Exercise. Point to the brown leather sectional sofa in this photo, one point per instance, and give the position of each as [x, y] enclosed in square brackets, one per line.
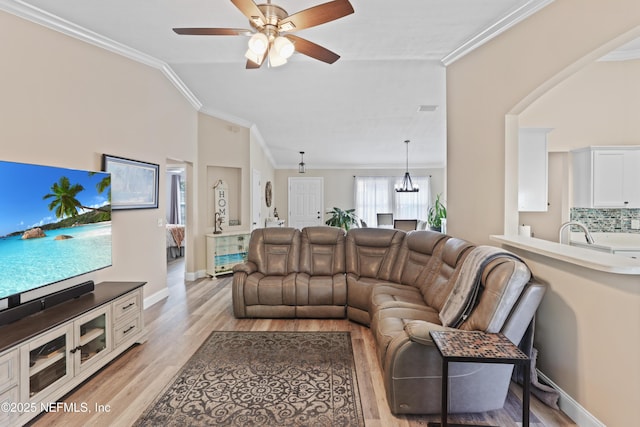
[401, 285]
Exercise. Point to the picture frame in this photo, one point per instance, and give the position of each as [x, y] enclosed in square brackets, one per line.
[134, 183]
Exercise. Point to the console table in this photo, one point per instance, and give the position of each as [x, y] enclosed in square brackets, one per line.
[226, 250]
[478, 347]
[46, 355]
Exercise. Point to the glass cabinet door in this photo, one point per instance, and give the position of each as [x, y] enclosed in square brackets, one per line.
[47, 361]
[93, 339]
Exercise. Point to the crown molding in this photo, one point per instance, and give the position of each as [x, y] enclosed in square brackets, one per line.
[509, 20]
[255, 133]
[622, 55]
[46, 19]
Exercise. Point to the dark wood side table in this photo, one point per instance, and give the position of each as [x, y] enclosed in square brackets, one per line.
[478, 347]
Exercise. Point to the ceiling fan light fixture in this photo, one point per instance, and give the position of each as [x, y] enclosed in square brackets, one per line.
[276, 60]
[283, 47]
[254, 57]
[258, 43]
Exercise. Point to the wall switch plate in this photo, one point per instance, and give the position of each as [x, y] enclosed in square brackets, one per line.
[160, 222]
[635, 224]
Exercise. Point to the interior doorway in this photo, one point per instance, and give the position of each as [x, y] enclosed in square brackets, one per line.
[176, 218]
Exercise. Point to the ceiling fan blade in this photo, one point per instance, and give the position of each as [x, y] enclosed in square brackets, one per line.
[316, 15]
[213, 31]
[313, 50]
[253, 65]
[251, 11]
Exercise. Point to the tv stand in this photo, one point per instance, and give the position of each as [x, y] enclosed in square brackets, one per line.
[31, 307]
[45, 355]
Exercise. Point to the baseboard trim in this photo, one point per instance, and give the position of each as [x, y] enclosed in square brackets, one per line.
[155, 298]
[194, 275]
[573, 409]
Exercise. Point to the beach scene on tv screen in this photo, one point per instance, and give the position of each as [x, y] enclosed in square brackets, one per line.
[55, 223]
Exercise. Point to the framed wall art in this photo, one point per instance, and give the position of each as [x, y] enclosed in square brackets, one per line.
[134, 184]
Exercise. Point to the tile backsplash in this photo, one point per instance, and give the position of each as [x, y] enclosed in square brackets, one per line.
[606, 220]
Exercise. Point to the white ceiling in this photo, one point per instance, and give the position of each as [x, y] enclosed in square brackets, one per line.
[354, 113]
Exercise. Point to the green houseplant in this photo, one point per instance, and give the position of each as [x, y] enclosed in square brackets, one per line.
[436, 214]
[343, 218]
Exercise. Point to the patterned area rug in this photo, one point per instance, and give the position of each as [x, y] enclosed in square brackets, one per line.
[263, 379]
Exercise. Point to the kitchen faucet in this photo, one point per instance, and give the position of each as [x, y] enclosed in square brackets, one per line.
[587, 235]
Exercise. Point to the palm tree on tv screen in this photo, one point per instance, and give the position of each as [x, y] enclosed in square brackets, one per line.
[64, 200]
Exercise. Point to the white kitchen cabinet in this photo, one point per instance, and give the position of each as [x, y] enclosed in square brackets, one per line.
[606, 177]
[533, 160]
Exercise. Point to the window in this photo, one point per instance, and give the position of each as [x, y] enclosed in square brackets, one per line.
[376, 194]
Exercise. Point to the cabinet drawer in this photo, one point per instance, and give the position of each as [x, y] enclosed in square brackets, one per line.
[9, 396]
[126, 329]
[8, 370]
[126, 305]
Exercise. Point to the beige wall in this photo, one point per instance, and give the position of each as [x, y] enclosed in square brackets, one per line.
[223, 153]
[597, 105]
[591, 356]
[338, 184]
[65, 103]
[261, 162]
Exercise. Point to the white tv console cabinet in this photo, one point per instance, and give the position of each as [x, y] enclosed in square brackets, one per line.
[46, 355]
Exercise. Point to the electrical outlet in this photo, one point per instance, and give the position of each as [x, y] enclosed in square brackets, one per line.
[160, 222]
[635, 224]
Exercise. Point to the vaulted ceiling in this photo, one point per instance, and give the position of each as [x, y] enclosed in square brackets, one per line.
[355, 113]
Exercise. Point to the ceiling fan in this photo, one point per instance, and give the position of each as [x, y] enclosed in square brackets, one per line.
[270, 22]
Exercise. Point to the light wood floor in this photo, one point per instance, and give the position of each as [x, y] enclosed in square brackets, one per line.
[178, 325]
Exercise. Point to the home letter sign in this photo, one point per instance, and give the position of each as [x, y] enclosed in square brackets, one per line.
[220, 202]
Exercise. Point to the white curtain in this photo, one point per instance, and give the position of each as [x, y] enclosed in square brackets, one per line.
[376, 194]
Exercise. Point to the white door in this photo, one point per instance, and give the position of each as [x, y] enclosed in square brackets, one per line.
[306, 201]
[256, 200]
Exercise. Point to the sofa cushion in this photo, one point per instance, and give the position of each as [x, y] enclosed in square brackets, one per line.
[321, 290]
[275, 251]
[414, 265]
[387, 294]
[372, 252]
[389, 322]
[467, 285]
[322, 251]
[445, 272]
[502, 283]
[269, 290]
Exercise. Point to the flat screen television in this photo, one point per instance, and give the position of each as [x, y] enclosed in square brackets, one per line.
[55, 225]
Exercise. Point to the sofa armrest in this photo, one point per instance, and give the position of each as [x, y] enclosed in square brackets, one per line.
[418, 331]
[248, 267]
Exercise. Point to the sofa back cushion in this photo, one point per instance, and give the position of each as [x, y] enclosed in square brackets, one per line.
[275, 251]
[415, 262]
[372, 252]
[503, 280]
[322, 251]
[446, 270]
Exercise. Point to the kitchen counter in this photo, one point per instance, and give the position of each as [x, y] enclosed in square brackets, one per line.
[626, 244]
[587, 256]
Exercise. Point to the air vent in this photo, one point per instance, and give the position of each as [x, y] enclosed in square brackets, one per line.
[425, 108]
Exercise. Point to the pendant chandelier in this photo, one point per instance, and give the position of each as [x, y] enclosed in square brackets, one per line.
[301, 165]
[407, 184]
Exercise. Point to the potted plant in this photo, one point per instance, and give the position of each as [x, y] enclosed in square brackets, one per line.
[343, 218]
[436, 214]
